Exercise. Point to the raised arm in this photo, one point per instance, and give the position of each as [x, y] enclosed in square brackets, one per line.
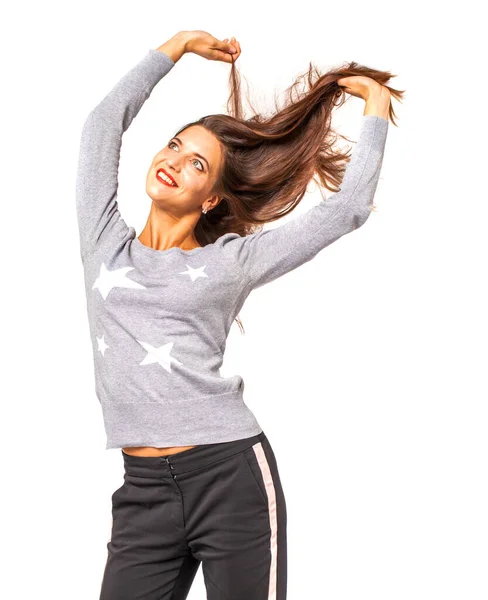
[101, 139]
[266, 255]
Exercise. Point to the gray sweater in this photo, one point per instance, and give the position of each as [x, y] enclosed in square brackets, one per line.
[159, 320]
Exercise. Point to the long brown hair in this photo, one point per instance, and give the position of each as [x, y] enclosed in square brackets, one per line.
[268, 161]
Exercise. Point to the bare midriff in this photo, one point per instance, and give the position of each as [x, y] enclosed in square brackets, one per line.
[152, 451]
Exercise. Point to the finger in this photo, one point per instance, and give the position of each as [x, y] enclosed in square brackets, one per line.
[228, 46]
[235, 55]
[216, 54]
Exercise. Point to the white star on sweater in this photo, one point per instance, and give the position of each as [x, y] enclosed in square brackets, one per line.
[110, 279]
[159, 355]
[102, 346]
[194, 273]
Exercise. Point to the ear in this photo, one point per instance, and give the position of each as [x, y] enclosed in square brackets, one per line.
[214, 200]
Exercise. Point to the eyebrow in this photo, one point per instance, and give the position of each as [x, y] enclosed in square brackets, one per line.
[195, 153]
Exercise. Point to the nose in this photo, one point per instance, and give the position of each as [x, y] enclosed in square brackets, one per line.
[170, 165]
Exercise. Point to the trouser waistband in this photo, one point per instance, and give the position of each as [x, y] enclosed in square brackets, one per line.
[186, 460]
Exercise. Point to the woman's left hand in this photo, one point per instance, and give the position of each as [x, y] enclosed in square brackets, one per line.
[359, 86]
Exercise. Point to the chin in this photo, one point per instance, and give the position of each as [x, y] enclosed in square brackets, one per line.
[155, 192]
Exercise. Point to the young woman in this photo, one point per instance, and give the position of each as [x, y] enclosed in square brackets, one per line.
[201, 483]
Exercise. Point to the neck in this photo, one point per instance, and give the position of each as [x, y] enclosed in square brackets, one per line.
[162, 232]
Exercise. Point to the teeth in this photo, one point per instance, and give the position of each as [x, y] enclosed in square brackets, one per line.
[165, 177]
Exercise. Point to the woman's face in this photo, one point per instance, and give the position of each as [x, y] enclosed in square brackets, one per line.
[192, 160]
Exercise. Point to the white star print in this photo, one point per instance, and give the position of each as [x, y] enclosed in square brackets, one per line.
[102, 346]
[194, 273]
[160, 355]
[110, 279]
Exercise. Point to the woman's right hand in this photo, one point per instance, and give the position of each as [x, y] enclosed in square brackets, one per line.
[206, 45]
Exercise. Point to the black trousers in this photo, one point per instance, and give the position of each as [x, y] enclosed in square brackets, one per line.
[221, 505]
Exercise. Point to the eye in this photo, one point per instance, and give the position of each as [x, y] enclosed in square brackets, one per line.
[194, 160]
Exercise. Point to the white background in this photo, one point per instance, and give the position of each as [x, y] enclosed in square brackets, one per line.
[366, 367]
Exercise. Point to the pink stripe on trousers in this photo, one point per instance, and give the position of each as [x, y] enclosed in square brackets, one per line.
[270, 489]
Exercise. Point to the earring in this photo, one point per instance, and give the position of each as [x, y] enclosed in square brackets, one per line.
[204, 210]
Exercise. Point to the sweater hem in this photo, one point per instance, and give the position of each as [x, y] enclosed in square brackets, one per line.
[205, 420]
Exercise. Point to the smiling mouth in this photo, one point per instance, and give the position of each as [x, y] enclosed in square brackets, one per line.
[163, 178]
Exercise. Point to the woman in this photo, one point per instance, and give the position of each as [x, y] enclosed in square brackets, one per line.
[201, 483]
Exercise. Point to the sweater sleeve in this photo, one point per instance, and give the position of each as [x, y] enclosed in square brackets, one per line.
[99, 155]
[268, 254]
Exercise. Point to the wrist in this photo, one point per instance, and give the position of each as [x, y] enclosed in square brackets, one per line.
[378, 101]
[176, 46]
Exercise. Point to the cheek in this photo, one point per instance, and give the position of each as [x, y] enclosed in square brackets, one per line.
[194, 181]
